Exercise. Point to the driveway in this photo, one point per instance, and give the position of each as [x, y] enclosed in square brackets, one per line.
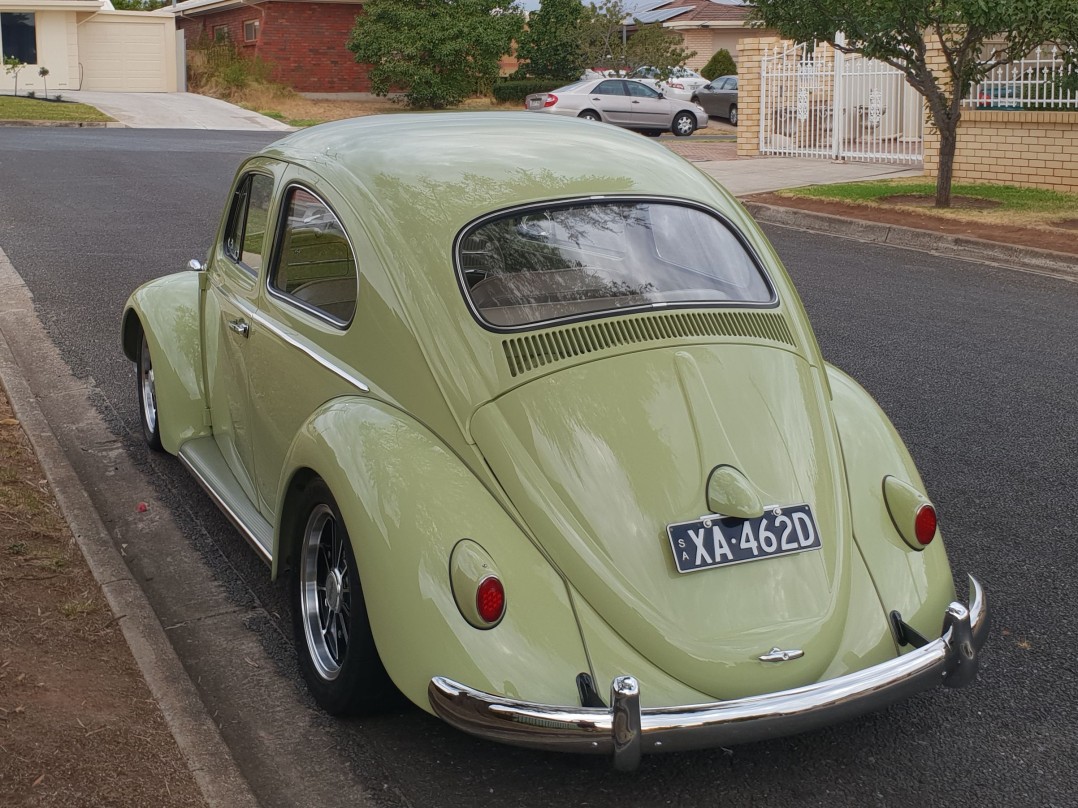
[176, 111]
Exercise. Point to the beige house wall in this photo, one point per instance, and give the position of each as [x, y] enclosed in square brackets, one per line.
[55, 32]
[58, 46]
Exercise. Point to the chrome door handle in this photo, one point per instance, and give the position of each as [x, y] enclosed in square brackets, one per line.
[240, 327]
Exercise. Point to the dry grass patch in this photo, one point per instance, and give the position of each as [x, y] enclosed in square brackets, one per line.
[78, 726]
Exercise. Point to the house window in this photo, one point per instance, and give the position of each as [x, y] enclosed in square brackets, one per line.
[220, 33]
[18, 37]
[250, 31]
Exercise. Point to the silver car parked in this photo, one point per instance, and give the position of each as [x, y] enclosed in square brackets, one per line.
[719, 98]
[622, 102]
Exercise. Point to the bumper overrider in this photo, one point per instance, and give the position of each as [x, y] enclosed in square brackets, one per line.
[626, 731]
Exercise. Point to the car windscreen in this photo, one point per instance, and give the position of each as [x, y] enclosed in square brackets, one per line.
[593, 257]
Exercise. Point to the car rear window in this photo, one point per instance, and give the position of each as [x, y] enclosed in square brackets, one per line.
[554, 263]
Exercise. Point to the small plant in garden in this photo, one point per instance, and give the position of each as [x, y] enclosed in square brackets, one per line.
[43, 72]
[12, 66]
[31, 94]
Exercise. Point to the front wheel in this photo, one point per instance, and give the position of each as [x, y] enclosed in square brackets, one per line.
[147, 396]
[332, 632]
[733, 115]
[590, 115]
[684, 124]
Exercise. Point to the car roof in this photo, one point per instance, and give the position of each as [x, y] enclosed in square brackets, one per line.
[465, 164]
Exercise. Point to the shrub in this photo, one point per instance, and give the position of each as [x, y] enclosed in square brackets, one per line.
[215, 67]
[509, 91]
[721, 64]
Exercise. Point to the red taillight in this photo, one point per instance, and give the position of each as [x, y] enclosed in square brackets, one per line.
[490, 599]
[551, 100]
[924, 524]
[676, 86]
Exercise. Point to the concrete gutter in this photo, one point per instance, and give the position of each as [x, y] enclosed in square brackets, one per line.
[1027, 259]
[199, 741]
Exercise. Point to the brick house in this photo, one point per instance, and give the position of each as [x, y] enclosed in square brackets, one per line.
[303, 41]
[706, 26]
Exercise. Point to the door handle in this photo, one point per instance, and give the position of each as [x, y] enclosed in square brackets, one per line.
[240, 327]
[636, 102]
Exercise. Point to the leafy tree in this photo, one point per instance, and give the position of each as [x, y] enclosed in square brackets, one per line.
[606, 41]
[12, 66]
[975, 36]
[43, 72]
[139, 5]
[721, 64]
[437, 52]
[551, 43]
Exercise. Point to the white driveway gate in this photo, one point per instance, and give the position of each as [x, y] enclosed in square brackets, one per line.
[818, 102]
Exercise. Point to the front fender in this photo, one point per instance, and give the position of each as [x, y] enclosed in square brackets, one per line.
[167, 311]
[916, 583]
[407, 500]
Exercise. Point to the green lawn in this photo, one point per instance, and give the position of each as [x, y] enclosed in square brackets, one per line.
[14, 108]
[1009, 197]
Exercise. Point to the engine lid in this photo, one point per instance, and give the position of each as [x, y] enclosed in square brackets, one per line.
[600, 458]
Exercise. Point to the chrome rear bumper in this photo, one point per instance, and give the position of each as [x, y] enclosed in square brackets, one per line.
[626, 731]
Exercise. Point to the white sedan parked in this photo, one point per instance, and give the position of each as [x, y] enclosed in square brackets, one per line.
[681, 83]
[622, 102]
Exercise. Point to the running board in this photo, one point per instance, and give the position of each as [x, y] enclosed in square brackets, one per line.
[206, 463]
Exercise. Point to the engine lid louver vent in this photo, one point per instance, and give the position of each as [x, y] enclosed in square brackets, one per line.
[533, 351]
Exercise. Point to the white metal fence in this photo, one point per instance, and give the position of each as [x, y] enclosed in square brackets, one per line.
[1043, 80]
[818, 102]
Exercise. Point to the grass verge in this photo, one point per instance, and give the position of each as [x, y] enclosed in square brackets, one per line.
[13, 108]
[1003, 204]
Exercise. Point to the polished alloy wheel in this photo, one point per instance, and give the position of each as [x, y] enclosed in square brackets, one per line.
[149, 392]
[325, 593]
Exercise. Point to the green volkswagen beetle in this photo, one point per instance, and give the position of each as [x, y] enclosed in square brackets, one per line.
[531, 418]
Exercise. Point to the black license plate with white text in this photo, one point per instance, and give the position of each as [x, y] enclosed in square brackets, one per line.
[719, 541]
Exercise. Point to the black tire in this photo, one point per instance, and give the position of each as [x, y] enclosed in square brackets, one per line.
[652, 132]
[733, 115]
[149, 415]
[590, 115]
[331, 629]
[684, 124]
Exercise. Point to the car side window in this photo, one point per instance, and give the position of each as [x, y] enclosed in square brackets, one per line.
[641, 90]
[316, 266]
[731, 83]
[246, 231]
[610, 88]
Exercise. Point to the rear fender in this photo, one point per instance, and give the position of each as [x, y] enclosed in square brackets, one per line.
[407, 500]
[166, 309]
[916, 583]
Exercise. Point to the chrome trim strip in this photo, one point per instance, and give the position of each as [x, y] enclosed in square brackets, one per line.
[299, 346]
[625, 731]
[263, 553]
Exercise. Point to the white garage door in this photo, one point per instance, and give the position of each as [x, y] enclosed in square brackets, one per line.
[120, 56]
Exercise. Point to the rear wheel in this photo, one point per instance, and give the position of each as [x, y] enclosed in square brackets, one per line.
[684, 124]
[147, 396]
[733, 115]
[590, 115]
[332, 632]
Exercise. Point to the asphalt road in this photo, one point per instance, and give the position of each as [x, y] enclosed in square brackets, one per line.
[975, 364]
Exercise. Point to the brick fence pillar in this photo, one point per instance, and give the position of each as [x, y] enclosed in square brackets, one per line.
[750, 53]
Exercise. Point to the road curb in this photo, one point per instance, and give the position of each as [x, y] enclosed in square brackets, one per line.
[208, 758]
[1026, 259]
[69, 124]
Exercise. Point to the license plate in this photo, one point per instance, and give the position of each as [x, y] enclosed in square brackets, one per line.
[719, 541]
[535, 103]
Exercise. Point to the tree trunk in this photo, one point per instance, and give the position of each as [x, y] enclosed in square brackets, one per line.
[948, 142]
